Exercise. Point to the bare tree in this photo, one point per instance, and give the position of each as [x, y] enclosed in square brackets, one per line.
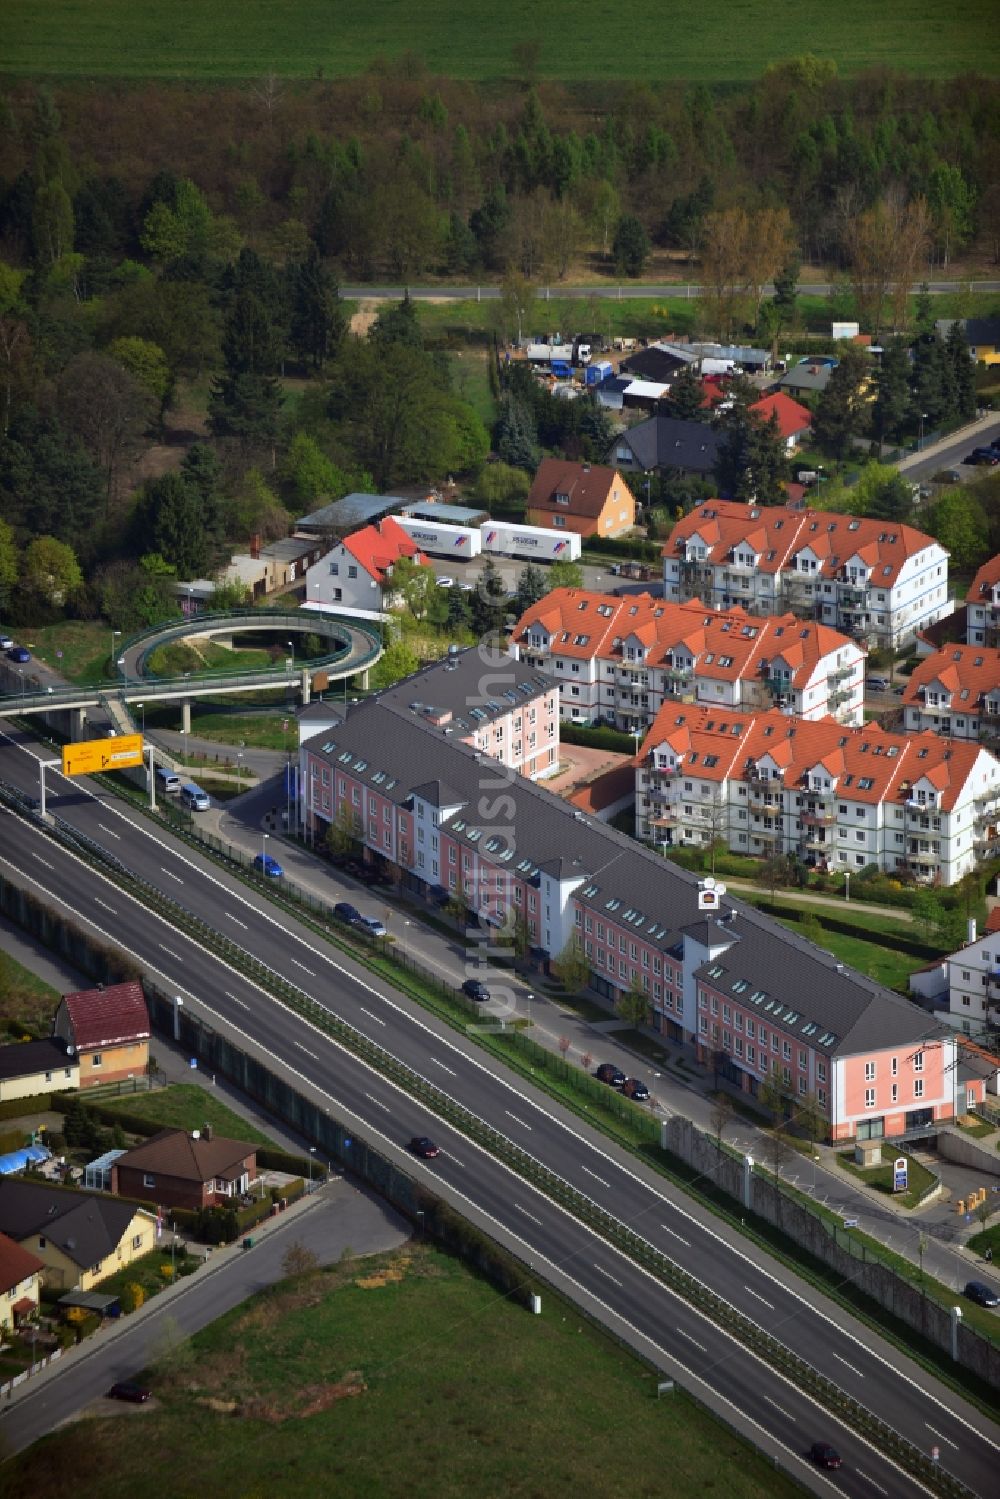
[298, 1260]
[721, 1117]
[886, 246]
[724, 240]
[268, 94]
[565, 1046]
[768, 244]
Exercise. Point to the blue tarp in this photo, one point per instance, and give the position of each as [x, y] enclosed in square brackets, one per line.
[18, 1159]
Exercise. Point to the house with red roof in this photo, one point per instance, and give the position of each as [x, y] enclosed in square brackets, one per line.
[877, 581]
[356, 574]
[794, 421]
[107, 1028]
[19, 1284]
[620, 660]
[955, 691]
[588, 498]
[982, 605]
[837, 797]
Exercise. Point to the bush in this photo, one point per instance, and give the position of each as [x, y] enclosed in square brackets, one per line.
[597, 738]
[131, 1296]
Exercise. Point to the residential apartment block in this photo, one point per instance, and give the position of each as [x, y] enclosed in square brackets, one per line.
[875, 580]
[751, 996]
[964, 989]
[621, 659]
[982, 605]
[836, 797]
[956, 691]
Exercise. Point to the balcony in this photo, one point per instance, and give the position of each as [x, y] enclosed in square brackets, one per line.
[758, 802]
[668, 818]
[817, 842]
[814, 818]
[681, 674]
[841, 674]
[838, 698]
[852, 597]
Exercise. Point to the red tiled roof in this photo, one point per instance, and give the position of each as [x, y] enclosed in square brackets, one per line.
[984, 582]
[16, 1264]
[376, 548]
[895, 764]
[969, 672]
[587, 486]
[993, 920]
[792, 418]
[107, 1017]
[777, 534]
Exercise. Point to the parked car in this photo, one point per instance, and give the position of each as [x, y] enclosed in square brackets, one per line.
[127, 1389]
[346, 912]
[982, 1294]
[476, 989]
[19, 654]
[983, 457]
[266, 864]
[825, 1456]
[423, 1147]
[635, 1088]
[948, 476]
[6, 643]
[878, 684]
[445, 582]
[372, 926]
[608, 1073]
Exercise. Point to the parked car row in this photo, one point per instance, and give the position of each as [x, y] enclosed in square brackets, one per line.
[353, 917]
[16, 653]
[629, 1087]
[988, 456]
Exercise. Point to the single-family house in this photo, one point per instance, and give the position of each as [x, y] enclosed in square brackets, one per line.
[179, 1170]
[356, 573]
[28, 1068]
[794, 421]
[109, 1029]
[80, 1237]
[19, 1284]
[982, 334]
[587, 498]
[668, 444]
[809, 377]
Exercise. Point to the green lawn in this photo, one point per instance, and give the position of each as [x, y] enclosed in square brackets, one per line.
[401, 1376]
[877, 958]
[186, 1106]
[27, 1004]
[178, 656]
[880, 1177]
[313, 38]
[259, 730]
[85, 647]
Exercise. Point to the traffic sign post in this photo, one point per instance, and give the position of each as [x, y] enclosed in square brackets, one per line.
[900, 1174]
[90, 755]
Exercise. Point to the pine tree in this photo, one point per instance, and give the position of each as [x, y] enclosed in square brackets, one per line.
[318, 322]
[963, 372]
[685, 397]
[841, 413]
[892, 403]
[514, 435]
[751, 465]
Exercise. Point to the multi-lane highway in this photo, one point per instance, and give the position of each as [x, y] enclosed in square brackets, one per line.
[818, 1331]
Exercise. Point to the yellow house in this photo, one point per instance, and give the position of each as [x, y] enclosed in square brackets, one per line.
[19, 1284]
[108, 1029]
[982, 334]
[28, 1068]
[80, 1237]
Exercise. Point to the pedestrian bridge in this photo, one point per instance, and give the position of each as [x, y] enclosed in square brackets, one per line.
[355, 646]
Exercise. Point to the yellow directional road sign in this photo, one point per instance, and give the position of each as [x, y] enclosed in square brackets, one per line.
[91, 755]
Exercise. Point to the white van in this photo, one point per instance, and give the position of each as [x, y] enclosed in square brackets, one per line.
[192, 796]
[167, 780]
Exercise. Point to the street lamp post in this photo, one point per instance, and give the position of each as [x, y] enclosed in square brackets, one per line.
[920, 439]
[114, 636]
[263, 852]
[847, 884]
[312, 1152]
[291, 649]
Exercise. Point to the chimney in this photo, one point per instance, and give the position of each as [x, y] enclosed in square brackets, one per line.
[206, 1132]
[970, 930]
[255, 546]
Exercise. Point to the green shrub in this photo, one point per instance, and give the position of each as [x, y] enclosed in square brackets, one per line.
[596, 738]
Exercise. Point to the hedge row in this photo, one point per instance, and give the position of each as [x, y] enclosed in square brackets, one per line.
[636, 549]
[898, 941]
[604, 737]
[37, 1103]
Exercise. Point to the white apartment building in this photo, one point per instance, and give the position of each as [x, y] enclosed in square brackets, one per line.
[982, 605]
[956, 691]
[619, 660]
[875, 580]
[964, 989]
[839, 798]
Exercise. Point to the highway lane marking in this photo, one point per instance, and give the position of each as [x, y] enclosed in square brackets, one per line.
[308, 1053]
[170, 954]
[601, 1271]
[593, 1147]
[44, 861]
[377, 1018]
[631, 1264]
[237, 920]
[867, 1478]
[99, 902]
[236, 999]
[692, 1340]
[378, 1102]
[518, 1121]
[442, 1065]
[177, 877]
[853, 1368]
[526, 1213]
[674, 1235]
[110, 831]
[303, 967]
[940, 1436]
[595, 1176]
[779, 1408]
[750, 1291]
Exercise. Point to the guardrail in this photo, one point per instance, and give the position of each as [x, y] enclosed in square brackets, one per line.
[763, 1344]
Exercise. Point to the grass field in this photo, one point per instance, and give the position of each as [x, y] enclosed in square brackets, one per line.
[178, 656]
[474, 39]
[27, 1003]
[85, 647]
[445, 1389]
[186, 1106]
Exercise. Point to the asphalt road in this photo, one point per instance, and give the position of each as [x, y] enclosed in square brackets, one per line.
[337, 1217]
[626, 292]
[677, 1334]
[953, 455]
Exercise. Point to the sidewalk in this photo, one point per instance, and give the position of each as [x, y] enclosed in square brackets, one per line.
[813, 898]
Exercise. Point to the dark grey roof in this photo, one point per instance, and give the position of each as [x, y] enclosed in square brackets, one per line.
[670, 442]
[473, 688]
[352, 511]
[654, 364]
[27, 1057]
[449, 515]
[437, 794]
[86, 1226]
[807, 376]
[982, 330]
[401, 754]
[801, 986]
